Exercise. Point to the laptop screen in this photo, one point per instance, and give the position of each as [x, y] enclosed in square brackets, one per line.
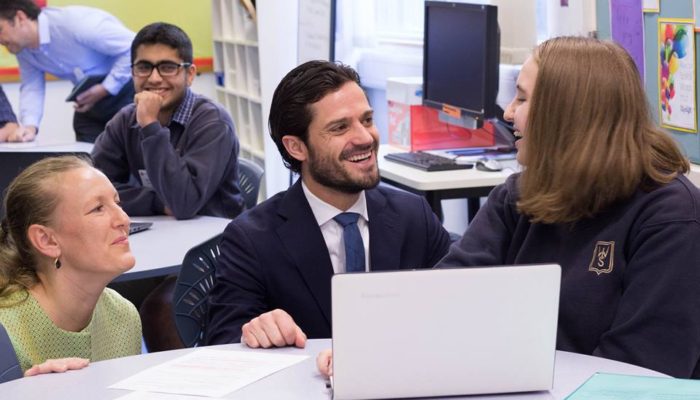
[444, 332]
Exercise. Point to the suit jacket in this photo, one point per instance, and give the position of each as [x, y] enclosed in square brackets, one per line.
[274, 256]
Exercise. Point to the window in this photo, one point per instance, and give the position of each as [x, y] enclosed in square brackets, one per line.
[399, 21]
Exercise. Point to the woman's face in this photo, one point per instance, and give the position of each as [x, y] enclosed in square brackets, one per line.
[517, 110]
[89, 225]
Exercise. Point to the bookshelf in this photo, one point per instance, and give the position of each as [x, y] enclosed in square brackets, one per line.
[237, 70]
[249, 61]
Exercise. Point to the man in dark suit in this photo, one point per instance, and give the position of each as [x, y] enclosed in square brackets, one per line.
[277, 260]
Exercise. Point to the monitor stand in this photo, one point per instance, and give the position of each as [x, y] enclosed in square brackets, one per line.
[463, 121]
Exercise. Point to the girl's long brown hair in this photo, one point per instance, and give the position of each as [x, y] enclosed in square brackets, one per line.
[591, 141]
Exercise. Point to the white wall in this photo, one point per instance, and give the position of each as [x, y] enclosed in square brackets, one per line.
[57, 124]
[277, 47]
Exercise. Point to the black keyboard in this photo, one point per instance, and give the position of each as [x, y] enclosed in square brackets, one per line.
[426, 161]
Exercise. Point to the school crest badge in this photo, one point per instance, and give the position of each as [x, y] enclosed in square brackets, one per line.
[603, 258]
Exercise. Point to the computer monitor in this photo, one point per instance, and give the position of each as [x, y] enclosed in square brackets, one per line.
[461, 59]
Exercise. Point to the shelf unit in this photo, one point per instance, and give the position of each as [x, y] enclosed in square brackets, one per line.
[237, 70]
[249, 61]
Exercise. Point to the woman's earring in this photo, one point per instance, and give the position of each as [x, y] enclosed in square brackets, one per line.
[57, 263]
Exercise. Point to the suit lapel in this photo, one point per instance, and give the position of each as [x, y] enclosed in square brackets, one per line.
[302, 238]
[385, 240]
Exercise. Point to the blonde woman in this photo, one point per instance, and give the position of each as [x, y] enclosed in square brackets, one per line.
[64, 238]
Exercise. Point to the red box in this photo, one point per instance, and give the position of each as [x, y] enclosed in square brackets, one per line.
[427, 132]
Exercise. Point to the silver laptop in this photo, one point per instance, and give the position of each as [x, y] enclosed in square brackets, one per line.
[139, 226]
[443, 332]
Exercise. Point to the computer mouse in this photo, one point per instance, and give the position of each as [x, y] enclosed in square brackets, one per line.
[489, 165]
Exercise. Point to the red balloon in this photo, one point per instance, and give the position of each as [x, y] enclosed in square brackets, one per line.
[668, 33]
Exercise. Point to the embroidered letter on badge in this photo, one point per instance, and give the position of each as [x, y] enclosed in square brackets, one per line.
[603, 258]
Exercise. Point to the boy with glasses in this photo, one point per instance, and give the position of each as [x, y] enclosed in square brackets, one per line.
[171, 152]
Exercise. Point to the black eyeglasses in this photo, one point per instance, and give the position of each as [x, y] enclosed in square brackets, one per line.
[144, 69]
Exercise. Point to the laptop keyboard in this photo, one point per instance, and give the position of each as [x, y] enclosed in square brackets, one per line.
[426, 161]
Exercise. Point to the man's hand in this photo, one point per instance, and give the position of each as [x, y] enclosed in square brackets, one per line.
[7, 130]
[90, 97]
[58, 365]
[22, 134]
[324, 362]
[148, 106]
[275, 328]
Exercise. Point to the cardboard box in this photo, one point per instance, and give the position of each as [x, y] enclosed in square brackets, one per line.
[401, 95]
[414, 127]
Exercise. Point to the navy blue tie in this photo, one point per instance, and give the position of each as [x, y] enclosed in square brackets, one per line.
[354, 249]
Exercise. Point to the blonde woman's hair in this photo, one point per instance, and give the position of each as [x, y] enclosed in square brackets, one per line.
[30, 199]
[591, 141]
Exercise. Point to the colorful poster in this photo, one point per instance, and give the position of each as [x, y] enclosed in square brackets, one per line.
[627, 28]
[677, 106]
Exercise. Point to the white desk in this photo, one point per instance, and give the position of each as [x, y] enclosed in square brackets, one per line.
[300, 381]
[77, 147]
[159, 250]
[466, 183]
[437, 186]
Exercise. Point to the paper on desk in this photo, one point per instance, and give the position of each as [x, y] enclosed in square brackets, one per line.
[206, 372]
[162, 396]
[623, 387]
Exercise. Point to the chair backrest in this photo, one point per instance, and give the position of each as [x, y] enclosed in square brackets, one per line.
[9, 365]
[249, 178]
[194, 282]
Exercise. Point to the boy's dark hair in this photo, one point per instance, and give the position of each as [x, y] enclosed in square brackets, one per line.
[163, 33]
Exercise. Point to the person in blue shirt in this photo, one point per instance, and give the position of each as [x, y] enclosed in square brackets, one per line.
[69, 43]
[8, 120]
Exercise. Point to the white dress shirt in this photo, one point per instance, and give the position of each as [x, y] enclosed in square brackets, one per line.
[333, 232]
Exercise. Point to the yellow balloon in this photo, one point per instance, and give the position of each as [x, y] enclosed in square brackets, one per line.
[673, 64]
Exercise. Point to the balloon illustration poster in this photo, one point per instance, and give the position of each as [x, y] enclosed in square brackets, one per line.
[677, 105]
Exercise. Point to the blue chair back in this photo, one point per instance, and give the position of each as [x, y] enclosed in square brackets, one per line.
[9, 365]
[249, 178]
[194, 282]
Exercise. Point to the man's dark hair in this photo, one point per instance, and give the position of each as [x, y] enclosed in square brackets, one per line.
[163, 33]
[290, 111]
[9, 8]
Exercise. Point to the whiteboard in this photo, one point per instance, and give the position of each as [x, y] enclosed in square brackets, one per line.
[315, 26]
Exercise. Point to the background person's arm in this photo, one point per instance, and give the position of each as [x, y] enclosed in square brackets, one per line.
[110, 156]
[105, 34]
[186, 180]
[31, 94]
[489, 236]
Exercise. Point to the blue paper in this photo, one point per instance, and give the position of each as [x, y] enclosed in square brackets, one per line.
[627, 387]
